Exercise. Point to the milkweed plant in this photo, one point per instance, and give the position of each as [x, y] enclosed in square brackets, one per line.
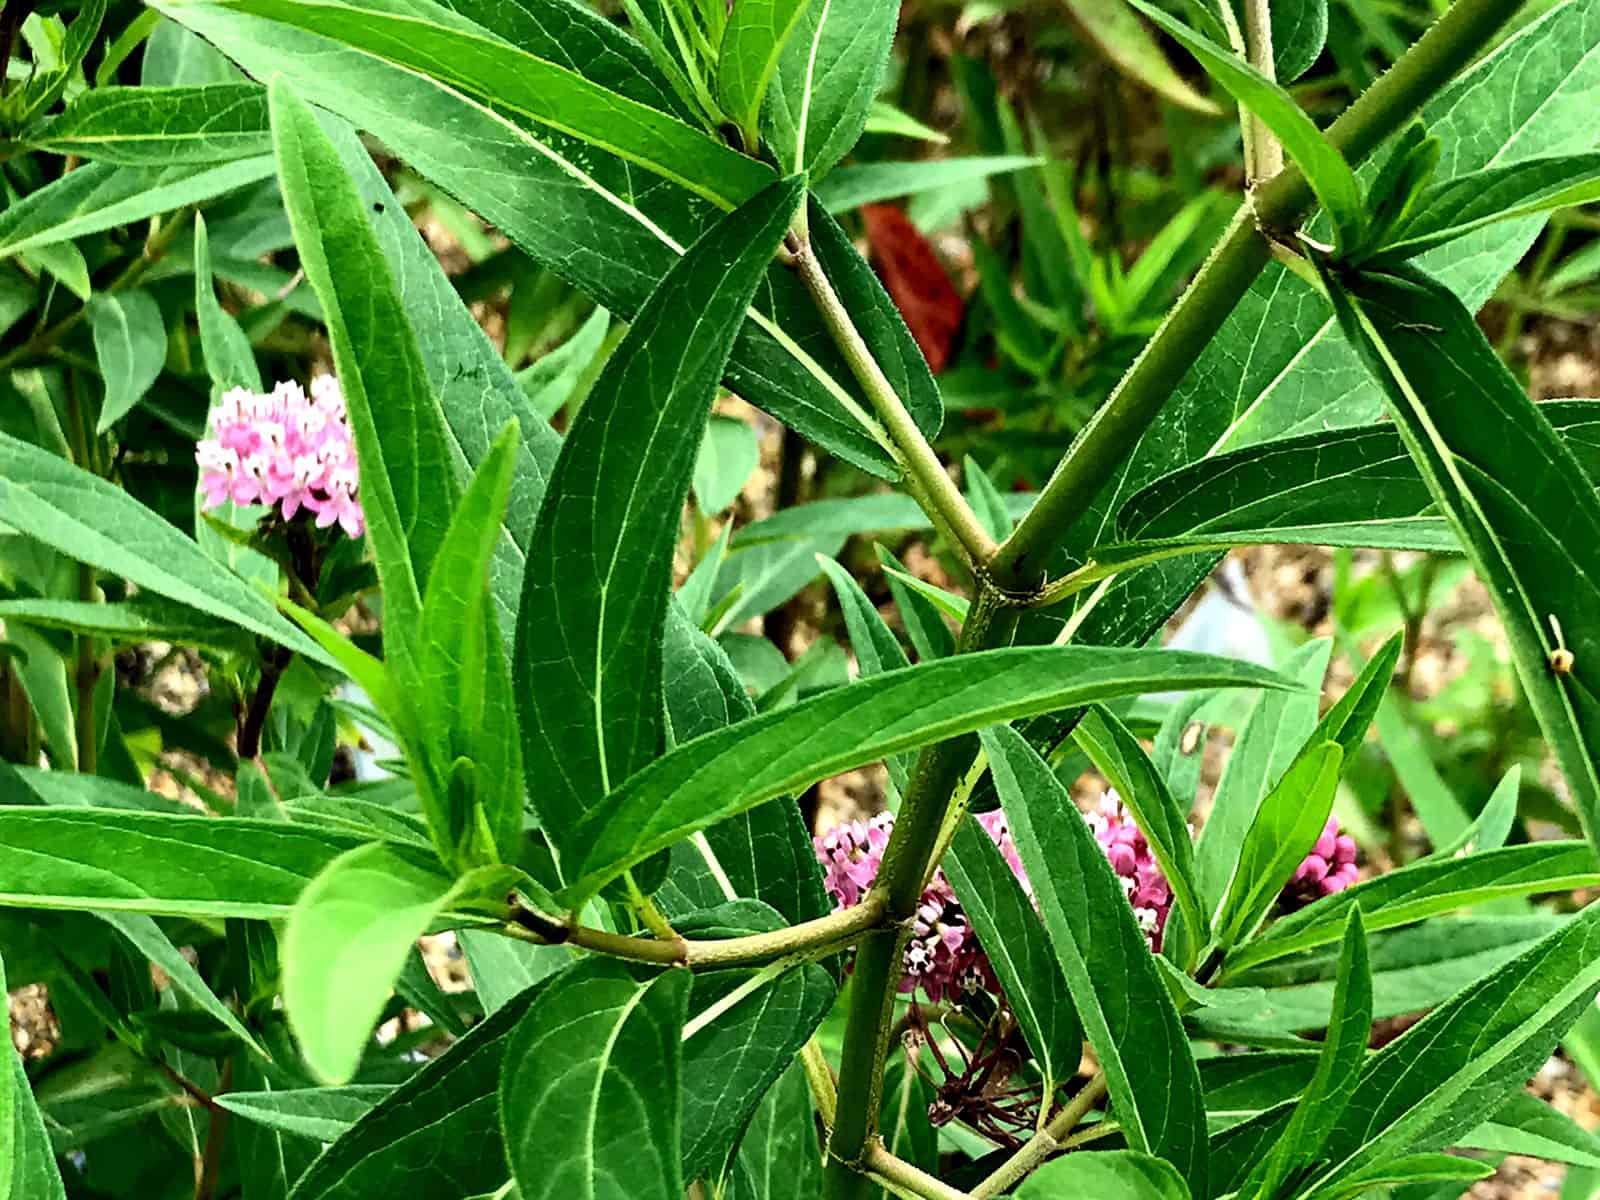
[468, 841]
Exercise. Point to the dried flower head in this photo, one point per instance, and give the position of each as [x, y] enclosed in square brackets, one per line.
[283, 448]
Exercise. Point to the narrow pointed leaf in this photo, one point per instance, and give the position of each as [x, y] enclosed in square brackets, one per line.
[130, 343]
[27, 1161]
[1119, 34]
[588, 644]
[1492, 825]
[1513, 490]
[752, 42]
[779, 1156]
[875, 647]
[1425, 889]
[1324, 167]
[1124, 1005]
[599, 1052]
[1015, 943]
[162, 126]
[784, 751]
[321, 1114]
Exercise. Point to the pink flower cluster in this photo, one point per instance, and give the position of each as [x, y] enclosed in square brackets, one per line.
[1329, 868]
[943, 956]
[284, 448]
[1136, 867]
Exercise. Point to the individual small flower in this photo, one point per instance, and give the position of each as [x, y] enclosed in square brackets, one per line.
[1136, 867]
[285, 449]
[1329, 868]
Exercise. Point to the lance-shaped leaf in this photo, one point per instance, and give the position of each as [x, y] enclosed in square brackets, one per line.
[1450, 210]
[1117, 755]
[874, 643]
[1437, 1080]
[607, 228]
[779, 1156]
[1299, 32]
[1284, 830]
[438, 1132]
[1338, 1066]
[101, 196]
[850, 187]
[161, 126]
[1112, 1175]
[27, 1163]
[1324, 167]
[1426, 889]
[1515, 493]
[599, 1052]
[752, 42]
[457, 653]
[84, 517]
[588, 648]
[1338, 487]
[165, 865]
[348, 937]
[1120, 996]
[1015, 943]
[462, 55]
[321, 1114]
[130, 343]
[786, 750]
[1524, 1124]
[828, 74]
[408, 481]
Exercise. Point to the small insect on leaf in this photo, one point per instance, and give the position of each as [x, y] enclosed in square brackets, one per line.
[1561, 659]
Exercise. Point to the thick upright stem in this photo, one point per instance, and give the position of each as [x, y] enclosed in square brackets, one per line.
[1267, 149]
[1105, 442]
[87, 670]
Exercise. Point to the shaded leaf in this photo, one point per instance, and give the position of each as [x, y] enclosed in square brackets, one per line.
[130, 343]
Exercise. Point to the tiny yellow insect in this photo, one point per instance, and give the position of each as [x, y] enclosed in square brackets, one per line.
[1561, 659]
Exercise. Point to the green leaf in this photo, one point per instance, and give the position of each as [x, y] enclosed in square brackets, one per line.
[1123, 39]
[130, 343]
[1434, 1082]
[553, 379]
[929, 634]
[438, 1132]
[1527, 1125]
[886, 119]
[1418, 1170]
[607, 228]
[1477, 439]
[728, 456]
[1450, 210]
[752, 42]
[1110, 1175]
[458, 647]
[1278, 726]
[229, 358]
[1424, 889]
[1324, 167]
[347, 938]
[161, 864]
[147, 937]
[1121, 999]
[1117, 755]
[1492, 825]
[1018, 950]
[784, 751]
[850, 187]
[86, 518]
[162, 126]
[779, 1157]
[875, 647]
[599, 1052]
[322, 1114]
[27, 1163]
[1285, 828]
[464, 56]
[101, 196]
[588, 644]
[745, 1027]
[408, 481]
[1338, 1067]
[828, 74]
[986, 500]
[1299, 31]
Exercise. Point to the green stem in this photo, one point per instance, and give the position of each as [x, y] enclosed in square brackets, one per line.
[1044, 1143]
[906, 1179]
[87, 671]
[1105, 442]
[807, 939]
[1267, 159]
[929, 478]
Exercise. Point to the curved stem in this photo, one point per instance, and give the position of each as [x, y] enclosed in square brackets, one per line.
[808, 939]
[930, 480]
[1103, 445]
[906, 1179]
[1044, 1143]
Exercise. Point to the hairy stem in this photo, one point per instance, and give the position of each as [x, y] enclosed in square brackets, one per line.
[807, 939]
[1103, 445]
[205, 1186]
[906, 1179]
[930, 480]
[1266, 149]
